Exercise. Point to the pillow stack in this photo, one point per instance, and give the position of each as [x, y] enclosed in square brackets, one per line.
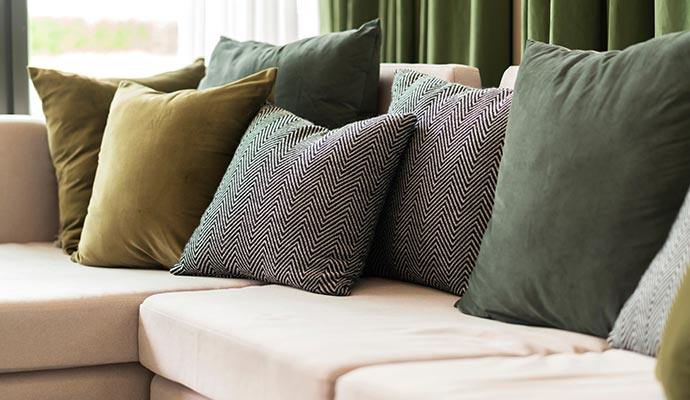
[138, 160]
[76, 110]
[548, 216]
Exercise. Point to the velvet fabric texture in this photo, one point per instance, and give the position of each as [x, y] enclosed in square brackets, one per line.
[162, 158]
[673, 361]
[330, 80]
[594, 170]
[76, 109]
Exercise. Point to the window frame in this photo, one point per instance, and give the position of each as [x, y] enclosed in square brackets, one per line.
[14, 57]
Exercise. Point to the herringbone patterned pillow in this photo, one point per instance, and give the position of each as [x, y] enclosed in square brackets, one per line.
[298, 204]
[641, 322]
[441, 202]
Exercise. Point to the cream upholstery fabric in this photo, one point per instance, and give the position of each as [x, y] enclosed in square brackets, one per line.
[106, 382]
[613, 374]
[468, 76]
[57, 314]
[28, 187]
[163, 389]
[275, 342]
[509, 76]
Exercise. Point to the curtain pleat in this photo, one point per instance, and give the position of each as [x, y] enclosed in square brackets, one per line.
[602, 24]
[671, 16]
[340, 15]
[472, 32]
[479, 32]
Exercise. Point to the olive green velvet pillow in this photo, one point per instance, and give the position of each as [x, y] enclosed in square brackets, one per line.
[76, 109]
[673, 360]
[595, 167]
[161, 160]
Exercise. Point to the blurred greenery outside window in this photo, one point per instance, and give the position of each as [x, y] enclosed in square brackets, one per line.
[106, 39]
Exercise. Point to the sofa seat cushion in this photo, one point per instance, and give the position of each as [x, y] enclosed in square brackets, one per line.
[57, 314]
[614, 374]
[276, 342]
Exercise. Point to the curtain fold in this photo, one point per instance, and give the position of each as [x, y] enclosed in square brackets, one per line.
[480, 32]
[602, 24]
[272, 21]
[472, 32]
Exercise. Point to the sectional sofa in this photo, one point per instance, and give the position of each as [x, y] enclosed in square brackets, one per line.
[73, 332]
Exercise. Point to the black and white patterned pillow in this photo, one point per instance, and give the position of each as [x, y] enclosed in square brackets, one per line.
[298, 204]
[441, 201]
[641, 322]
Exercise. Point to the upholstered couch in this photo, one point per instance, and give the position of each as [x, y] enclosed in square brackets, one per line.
[74, 332]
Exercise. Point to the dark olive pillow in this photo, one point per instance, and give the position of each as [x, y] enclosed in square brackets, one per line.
[76, 109]
[673, 365]
[331, 79]
[594, 170]
[162, 158]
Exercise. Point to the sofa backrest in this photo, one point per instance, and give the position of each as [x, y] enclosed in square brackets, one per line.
[28, 188]
[28, 194]
[468, 76]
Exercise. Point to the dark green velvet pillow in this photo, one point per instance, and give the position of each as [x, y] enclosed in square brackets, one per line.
[330, 80]
[595, 166]
[673, 366]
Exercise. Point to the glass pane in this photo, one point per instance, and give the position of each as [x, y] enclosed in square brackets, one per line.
[124, 38]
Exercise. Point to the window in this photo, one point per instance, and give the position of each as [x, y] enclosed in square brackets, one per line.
[120, 39]
[129, 38]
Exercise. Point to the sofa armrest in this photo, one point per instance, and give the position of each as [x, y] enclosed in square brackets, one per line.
[28, 187]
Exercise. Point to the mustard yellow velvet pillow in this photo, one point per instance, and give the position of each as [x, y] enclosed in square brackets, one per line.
[161, 160]
[76, 109]
[673, 360]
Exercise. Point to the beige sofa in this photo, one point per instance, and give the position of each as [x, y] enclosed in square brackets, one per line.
[75, 332]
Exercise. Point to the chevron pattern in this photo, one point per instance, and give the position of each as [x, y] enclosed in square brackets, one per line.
[641, 322]
[441, 201]
[298, 204]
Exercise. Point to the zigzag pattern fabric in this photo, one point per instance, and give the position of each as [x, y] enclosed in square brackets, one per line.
[641, 322]
[441, 201]
[298, 204]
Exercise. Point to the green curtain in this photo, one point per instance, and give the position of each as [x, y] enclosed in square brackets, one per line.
[472, 32]
[602, 24]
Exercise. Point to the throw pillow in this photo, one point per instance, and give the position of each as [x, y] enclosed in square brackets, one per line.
[594, 170]
[441, 200]
[76, 109]
[162, 158]
[298, 204]
[330, 79]
[640, 323]
[673, 362]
